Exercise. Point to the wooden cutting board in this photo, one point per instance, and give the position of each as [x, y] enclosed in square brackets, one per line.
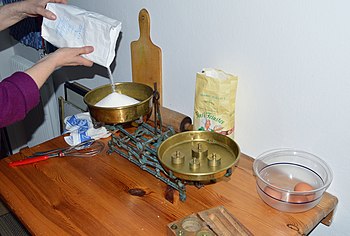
[146, 57]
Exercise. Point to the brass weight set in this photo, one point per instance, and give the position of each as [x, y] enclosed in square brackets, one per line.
[198, 155]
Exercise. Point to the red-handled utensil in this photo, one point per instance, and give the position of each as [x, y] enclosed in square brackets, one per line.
[84, 149]
[28, 160]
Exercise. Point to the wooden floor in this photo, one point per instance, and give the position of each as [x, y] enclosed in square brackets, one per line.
[9, 225]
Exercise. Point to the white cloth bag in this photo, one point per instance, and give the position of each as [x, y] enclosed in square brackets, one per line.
[75, 27]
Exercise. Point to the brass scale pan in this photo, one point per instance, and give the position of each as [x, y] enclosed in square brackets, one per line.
[117, 115]
[198, 155]
[191, 155]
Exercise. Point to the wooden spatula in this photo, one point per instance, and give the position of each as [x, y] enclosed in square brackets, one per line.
[146, 57]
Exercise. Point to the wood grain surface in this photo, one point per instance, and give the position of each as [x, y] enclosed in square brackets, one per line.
[146, 57]
[91, 196]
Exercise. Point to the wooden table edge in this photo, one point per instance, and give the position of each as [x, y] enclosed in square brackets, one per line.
[327, 209]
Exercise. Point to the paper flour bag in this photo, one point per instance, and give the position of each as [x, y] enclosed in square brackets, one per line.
[75, 27]
[214, 108]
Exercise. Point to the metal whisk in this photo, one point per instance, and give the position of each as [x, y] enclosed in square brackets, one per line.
[85, 149]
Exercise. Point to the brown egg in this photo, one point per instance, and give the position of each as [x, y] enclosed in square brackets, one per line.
[297, 199]
[304, 187]
[273, 193]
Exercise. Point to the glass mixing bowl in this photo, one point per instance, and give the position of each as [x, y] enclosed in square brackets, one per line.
[291, 180]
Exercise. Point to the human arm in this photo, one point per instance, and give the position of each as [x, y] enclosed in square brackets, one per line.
[12, 13]
[19, 93]
[61, 57]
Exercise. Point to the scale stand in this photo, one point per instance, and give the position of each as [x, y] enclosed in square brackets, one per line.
[140, 147]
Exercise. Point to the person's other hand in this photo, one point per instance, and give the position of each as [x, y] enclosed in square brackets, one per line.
[71, 57]
[33, 8]
[61, 57]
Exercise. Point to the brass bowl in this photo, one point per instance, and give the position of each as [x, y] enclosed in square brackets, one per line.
[189, 155]
[117, 115]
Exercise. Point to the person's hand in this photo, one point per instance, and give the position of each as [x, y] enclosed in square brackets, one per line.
[34, 8]
[14, 12]
[61, 57]
[70, 57]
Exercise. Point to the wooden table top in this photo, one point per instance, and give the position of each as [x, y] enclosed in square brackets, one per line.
[89, 196]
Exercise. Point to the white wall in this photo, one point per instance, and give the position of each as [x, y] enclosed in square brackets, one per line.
[292, 59]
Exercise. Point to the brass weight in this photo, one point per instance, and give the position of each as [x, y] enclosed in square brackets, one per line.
[214, 159]
[199, 150]
[177, 158]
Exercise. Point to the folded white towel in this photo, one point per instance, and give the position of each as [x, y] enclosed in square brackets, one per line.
[81, 128]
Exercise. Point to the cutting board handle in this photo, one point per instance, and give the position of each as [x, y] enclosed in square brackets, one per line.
[146, 57]
[144, 24]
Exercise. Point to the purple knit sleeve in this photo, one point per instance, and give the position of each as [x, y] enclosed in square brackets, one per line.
[18, 95]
